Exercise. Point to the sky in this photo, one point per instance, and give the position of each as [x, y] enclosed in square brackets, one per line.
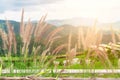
[103, 10]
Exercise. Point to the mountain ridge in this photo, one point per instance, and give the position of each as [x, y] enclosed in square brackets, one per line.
[71, 22]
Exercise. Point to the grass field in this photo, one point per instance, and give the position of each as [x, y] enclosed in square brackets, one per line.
[35, 47]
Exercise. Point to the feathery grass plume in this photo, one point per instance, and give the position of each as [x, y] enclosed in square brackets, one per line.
[22, 24]
[59, 48]
[68, 53]
[113, 35]
[14, 43]
[35, 51]
[82, 38]
[94, 33]
[44, 31]
[28, 30]
[44, 66]
[69, 41]
[102, 55]
[25, 32]
[79, 39]
[99, 38]
[54, 33]
[75, 49]
[43, 55]
[11, 38]
[89, 53]
[85, 38]
[39, 29]
[71, 55]
[92, 37]
[26, 38]
[50, 41]
[88, 38]
[40, 32]
[4, 37]
[9, 26]
[114, 48]
[52, 36]
[38, 25]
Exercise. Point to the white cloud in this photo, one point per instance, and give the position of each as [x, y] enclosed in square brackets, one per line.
[104, 10]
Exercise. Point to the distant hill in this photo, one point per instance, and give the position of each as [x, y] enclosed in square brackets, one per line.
[67, 24]
[115, 25]
[15, 24]
[73, 22]
[85, 22]
[67, 28]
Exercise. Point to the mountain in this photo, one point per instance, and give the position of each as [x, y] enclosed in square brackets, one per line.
[15, 24]
[85, 22]
[73, 22]
[67, 23]
[107, 26]
[116, 25]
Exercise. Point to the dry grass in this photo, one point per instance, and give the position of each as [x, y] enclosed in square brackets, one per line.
[90, 41]
[59, 48]
[86, 40]
[51, 37]
[113, 35]
[27, 32]
[102, 54]
[89, 38]
[71, 53]
[4, 38]
[9, 39]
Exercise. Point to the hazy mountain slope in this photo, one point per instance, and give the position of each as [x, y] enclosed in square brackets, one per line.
[15, 24]
[65, 32]
[73, 22]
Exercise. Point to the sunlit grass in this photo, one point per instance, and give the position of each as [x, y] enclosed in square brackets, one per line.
[36, 49]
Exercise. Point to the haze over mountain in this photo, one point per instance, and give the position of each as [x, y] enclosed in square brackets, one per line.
[15, 24]
[85, 22]
[73, 21]
[69, 22]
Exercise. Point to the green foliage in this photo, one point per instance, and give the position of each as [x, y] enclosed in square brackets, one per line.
[0, 69]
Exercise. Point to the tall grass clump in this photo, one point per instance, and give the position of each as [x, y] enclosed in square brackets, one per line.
[90, 44]
[34, 42]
